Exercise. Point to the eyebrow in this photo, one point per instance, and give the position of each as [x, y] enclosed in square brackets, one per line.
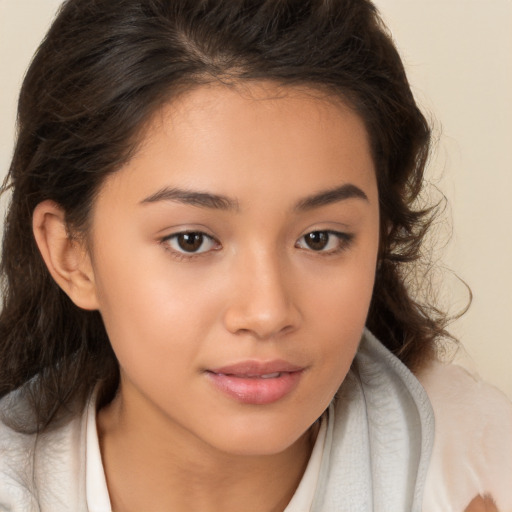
[194, 198]
[220, 202]
[334, 195]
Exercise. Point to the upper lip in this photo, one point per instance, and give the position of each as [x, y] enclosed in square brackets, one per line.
[257, 368]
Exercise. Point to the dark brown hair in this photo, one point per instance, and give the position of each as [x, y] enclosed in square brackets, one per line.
[99, 75]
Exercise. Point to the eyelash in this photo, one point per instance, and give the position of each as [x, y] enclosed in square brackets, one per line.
[344, 241]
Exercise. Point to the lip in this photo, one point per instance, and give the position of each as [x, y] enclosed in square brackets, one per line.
[256, 382]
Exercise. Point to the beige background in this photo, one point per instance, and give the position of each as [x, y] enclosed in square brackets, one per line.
[457, 53]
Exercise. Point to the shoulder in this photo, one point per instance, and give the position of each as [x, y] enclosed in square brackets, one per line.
[472, 452]
[39, 471]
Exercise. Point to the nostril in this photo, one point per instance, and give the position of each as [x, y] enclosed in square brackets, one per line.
[261, 325]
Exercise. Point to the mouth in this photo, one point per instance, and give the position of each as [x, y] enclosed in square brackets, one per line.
[274, 375]
[256, 383]
[257, 369]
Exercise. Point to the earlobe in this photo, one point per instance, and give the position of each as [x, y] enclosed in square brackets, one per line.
[67, 259]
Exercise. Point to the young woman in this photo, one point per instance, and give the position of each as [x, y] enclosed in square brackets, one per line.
[205, 266]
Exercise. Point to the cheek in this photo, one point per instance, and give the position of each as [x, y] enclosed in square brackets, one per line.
[152, 316]
[340, 310]
[342, 297]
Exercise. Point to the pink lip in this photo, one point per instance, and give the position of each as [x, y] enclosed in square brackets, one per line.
[257, 383]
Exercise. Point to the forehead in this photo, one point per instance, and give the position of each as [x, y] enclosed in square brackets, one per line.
[221, 138]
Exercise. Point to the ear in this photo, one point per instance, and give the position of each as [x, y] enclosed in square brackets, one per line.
[67, 259]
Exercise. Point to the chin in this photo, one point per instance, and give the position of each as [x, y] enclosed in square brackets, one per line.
[259, 440]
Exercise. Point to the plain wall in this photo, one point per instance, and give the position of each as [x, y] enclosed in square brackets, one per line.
[457, 54]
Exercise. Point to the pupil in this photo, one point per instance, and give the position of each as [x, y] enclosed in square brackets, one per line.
[190, 242]
[317, 240]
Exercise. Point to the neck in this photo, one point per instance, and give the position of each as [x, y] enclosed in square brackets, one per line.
[150, 467]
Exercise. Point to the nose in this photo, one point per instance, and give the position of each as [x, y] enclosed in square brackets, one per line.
[263, 303]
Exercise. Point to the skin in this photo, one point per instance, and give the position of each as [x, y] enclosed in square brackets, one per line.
[256, 290]
[481, 504]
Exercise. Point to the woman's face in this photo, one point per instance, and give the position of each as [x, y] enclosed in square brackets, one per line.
[233, 261]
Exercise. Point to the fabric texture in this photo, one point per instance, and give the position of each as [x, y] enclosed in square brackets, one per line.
[373, 455]
[473, 441]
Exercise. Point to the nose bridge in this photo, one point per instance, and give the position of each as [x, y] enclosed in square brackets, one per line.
[262, 301]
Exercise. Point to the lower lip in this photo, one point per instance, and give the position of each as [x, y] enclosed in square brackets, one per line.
[256, 391]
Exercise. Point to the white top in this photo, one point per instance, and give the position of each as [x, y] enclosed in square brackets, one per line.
[472, 452]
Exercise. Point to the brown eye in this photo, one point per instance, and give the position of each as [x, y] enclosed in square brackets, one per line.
[191, 242]
[317, 240]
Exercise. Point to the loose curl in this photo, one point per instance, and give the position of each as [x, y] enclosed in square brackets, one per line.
[103, 70]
